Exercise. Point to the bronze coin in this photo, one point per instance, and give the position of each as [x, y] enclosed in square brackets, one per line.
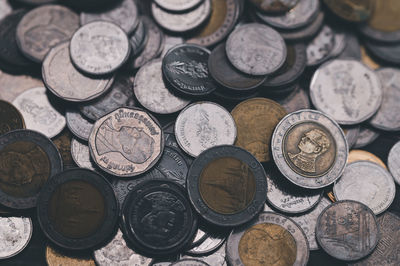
[10, 118]
[360, 155]
[55, 258]
[63, 144]
[274, 6]
[385, 16]
[351, 10]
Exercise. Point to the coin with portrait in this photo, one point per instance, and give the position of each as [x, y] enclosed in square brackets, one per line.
[10, 118]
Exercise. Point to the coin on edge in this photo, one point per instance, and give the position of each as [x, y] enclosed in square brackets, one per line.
[55, 258]
[15, 234]
[360, 155]
[276, 6]
[10, 118]
[78, 125]
[81, 155]
[394, 162]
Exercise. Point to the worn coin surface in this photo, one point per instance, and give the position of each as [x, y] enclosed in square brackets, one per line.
[203, 125]
[274, 6]
[63, 144]
[13, 85]
[5, 9]
[347, 230]
[321, 47]
[178, 5]
[351, 10]
[351, 133]
[173, 166]
[394, 162]
[15, 235]
[81, 155]
[256, 49]
[366, 136]
[360, 155]
[54, 258]
[78, 125]
[10, 118]
[296, 100]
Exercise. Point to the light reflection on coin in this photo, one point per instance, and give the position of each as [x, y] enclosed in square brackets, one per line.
[15, 235]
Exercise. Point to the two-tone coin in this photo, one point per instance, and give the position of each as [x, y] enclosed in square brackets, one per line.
[10, 118]
[79, 126]
[351, 10]
[15, 235]
[394, 162]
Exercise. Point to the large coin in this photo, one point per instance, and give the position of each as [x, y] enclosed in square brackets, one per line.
[274, 6]
[78, 125]
[394, 162]
[309, 148]
[126, 142]
[56, 258]
[10, 118]
[15, 235]
[360, 155]
[178, 5]
[351, 10]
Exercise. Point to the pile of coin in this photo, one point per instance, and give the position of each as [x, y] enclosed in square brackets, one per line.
[200, 132]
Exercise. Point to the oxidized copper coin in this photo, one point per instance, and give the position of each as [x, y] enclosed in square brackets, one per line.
[10, 118]
[351, 10]
[360, 155]
[55, 258]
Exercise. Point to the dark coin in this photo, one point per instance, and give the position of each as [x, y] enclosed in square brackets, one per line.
[10, 118]
[227, 185]
[36, 2]
[63, 144]
[276, 6]
[388, 53]
[351, 10]
[28, 159]
[352, 47]
[158, 219]
[185, 68]
[78, 125]
[191, 262]
[230, 97]
[77, 209]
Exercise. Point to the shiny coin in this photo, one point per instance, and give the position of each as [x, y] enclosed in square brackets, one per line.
[28, 159]
[394, 162]
[43, 28]
[55, 258]
[354, 91]
[15, 235]
[81, 155]
[13, 85]
[346, 224]
[351, 10]
[269, 238]
[360, 155]
[374, 184]
[78, 125]
[126, 142]
[384, 52]
[227, 185]
[306, 32]
[256, 49]
[177, 5]
[296, 100]
[216, 258]
[63, 144]
[321, 47]
[366, 136]
[275, 6]
[99, 48]
[10, 118]
[203, 125]
[309, 148]
[38, 113]
[351, 133]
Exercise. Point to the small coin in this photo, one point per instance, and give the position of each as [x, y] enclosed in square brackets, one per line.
[81, 155]
[203, 125]
[366, 136]
[394, 162]
[306, 32]
[63, 144]
[178, 5]
[275, 6]
[321, 47]
[138, 39]
[5, 9]
[360, 155]
[347, 230]
[16, 84]
[351, 10]
[217, 258]
[295, 101]
[191, 262]
[54, 258]
[10, 118]
[256, 49]
[351, 133]
[15, 235]
[99, 48]
[78, 125]
[382, 51]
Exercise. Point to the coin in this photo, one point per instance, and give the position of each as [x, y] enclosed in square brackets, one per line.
[178, 5]
[275, 6]
[306, 32]
[217, 258]
[138, 39]
[78, 125]
[210, 244]
[203, 125]
[382, 51]
[54, 258]
[10, 118]
[351, 10]
[271, 237]
[374, 183]
[173, 165]
[5, 9]
[227, 185]
[126, 142]
[63, 144]
[81, 155]
[321, 47]
[256, 49]
[152, 93]
[38, 113]
[43, 28]
[340, 42]
[191, 262]
[360, 155]
[15, 235]
[256, 119]
[309, 148]
[394, 162]
[354, 91]
[185, 67]
[296, 100]
[13, 85]
[367, 59]
[366, 136]
[28, 159]
[352, 47]
[346, 224]
[170, 141]
[170, 42]
[351, 133]
[99, 48]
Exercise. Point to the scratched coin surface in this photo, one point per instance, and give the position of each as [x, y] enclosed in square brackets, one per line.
[394, 162]
[55, 257]
[79, 126]
[178, 5]
[15, 235]
[360, 155]
[10, 118]
[81, 155]
[274, 6]
[351, 10]
[347, 230]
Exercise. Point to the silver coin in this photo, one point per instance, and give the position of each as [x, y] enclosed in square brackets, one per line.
[181, 22]
[43, 28]
[15, 234]
[5, 9]
[340, 43]
[256, 49]
[296, 100]
[351, 133]
[203, 125]
[321, 47]
[385, 118]
[13, 85]
[170, 42]
[38, 113]
[78, 125]
[366, 136]
[99, 48]
[347, 90]
[306, 32]
[374, 185]
[81, 155]
[125, 14]
[64, 81]
[211, 243]
[178, 5]
[309, 148]
[264, 252]
[394, 162]
[216, 258]
[138, 39]
[152, 93]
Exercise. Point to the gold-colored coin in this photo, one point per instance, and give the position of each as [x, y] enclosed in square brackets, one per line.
[63, 144]
[367, 60]
[10, 118]
[385, 16]
[256, 120]
[360, 155]
[54, 258]
[267, 244]
[351, 10]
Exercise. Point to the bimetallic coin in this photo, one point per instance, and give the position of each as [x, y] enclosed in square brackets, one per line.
[13, 85]
[203, 125]
[178, 5]
[347, 230]
[374, 184]
[366, 136]
[351, 133]
[351, 10]
[360, 155]
[394, 162]
[10, 118]
[126, 142]
[320, 48]
[55, 258]
[78, 125]
[256, 49]
[15, 235]
[274, 6]
[81, 155]
[309, 148]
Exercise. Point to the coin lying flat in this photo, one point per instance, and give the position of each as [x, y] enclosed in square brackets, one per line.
[15, 235]
[10, 118]
[347, 230]
[394, 162]
[63, 144]
[16, 84]
[360, 155]
[351, 10]
[309, 148]
[366, 136]
[295, 101]
[321, 46]
[306, 32]
[81, 155]
[352, 133]
[78, 125]
[274, 6]
[54, 258]
[178, 5]
[216, 258]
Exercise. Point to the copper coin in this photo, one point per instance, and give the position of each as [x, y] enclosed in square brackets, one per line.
[351, 10]
[56, 258]
[10, 118]
[360, 155]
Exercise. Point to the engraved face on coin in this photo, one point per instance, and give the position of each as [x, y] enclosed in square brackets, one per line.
[351, 10]
[15, 235]
[394, 162]
[10, 118]
[274, 6]
[54, 257]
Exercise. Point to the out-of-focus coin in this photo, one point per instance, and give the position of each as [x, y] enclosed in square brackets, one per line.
[227, 185]
[38, 113]
[191, 262]
[203, 125]
[99, 48]
[394, 162]
[81, 155]
[55, 258]
[360, 155]
[256, 120]
[10, 118]
[43, 28]
[374, 184]
[210, 244]
[340, 42]
[351, 133]
[320, 48]
[77, 209]
[274, 6]
[126, 142]
[233, 98]
[354, 91]
[306, 32]
[173, 165]
[256, 49]
[387, 53]
[28, 159]
[178, 5]
[296, 100]
[5, 9]
[367, 59]
[36, 2]
[216, 258]
[78, 125]
[346, 224]
[15, 234]
[138, 39]
[13, 85]
[63, 144]
[351, 10]
[309, 148]
[366, 136]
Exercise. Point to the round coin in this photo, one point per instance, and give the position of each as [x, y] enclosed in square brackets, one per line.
[384, 52]
[366, 136]
[15, 235]
[78, 125]
[351, 133]
[296, 100]
[178, 5]
[10, 118]
[394, 162]
[16, 84]
[360, 155]
[173, 165]
[138, 39]
[351, 10]
[81, 155]
[321, 47]
[275, 6]
[216, 258]
[306, 32]
[54, 258]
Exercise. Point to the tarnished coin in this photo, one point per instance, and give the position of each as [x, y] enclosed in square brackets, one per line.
[216, 258]
[5, 9]
[351, 10]
[66, 82]
[28, 159]
[177, 5]
[138, 39]
[78, 125]
[309, 148]
[43, 28]
[13, 85]
[351, 133]
[306, 32]
[81, 155]
[360, 155]
[99, 48]
[374, 184]
[38, 113]
[55, 258]
[227, 185]
[151, 92]
[15, 235]
[63, 144]
[256, 49]
[320, 48]
[256, 120]
[203, 125]
[386, 53]
[173, 166]
[346, 90]
[347, 230]
[271, 237]
[10, 118]
[366, 136]
[190, 262]
[126, 142]
[394, 162]
[296, 100]
[36, 2]
[274, 6]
